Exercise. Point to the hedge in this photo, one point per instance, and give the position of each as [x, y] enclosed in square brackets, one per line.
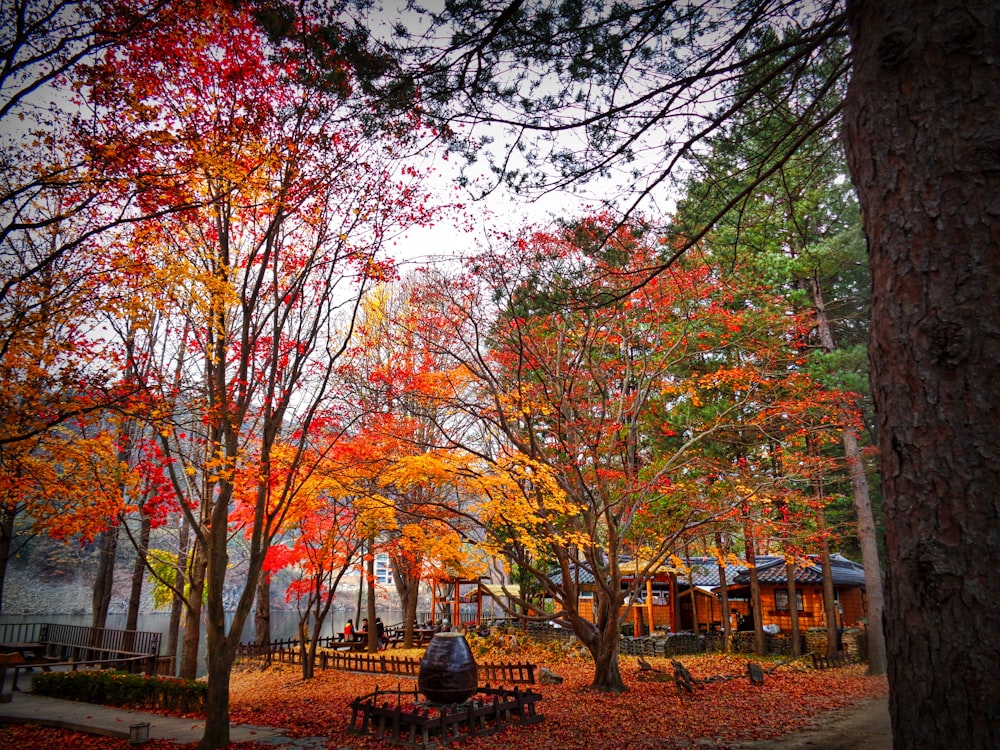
[123, 689]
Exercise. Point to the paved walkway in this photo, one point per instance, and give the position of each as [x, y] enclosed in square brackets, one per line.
[26, 707]
[862, 727]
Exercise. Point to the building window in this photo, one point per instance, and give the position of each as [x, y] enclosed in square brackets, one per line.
[383, 570]
[781, 600]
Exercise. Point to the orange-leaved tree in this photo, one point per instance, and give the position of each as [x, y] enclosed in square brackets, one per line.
[579, 384]
[405, 383]
[286, 207]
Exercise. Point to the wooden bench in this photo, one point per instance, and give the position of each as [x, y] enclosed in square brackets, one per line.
[352, 646]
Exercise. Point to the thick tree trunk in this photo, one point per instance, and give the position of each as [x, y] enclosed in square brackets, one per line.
[921, 118]
[138, 575]
[220, 651]
[7, 516]
[104, 582]
[192, 618]
[262, 612]
[220, 664]
[607, 675]
[602, 639]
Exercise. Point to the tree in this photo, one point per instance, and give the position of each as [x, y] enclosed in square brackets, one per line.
[596, 417]
[801, 226]
[66, 483]
[52, 206]
[286, 207]
[323, 545]
[922, 145]
[404, 384]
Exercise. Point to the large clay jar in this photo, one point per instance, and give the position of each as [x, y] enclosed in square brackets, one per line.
[448, 672]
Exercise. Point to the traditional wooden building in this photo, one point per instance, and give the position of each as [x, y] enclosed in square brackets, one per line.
[848, 587]
[688, 600]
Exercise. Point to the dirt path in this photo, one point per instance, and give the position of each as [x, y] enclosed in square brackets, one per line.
[863, 727]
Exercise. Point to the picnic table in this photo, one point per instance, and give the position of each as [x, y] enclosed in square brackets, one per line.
[30, 651]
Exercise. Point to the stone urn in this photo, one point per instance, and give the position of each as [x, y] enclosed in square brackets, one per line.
[448, 671]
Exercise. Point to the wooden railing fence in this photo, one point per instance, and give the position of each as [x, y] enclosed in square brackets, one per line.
[289, 652]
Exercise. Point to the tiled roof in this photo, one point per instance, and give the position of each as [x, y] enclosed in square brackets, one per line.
[845, 572]
[770, 569]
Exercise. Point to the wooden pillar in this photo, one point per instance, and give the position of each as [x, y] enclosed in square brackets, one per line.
[673, 603]
[649, 604]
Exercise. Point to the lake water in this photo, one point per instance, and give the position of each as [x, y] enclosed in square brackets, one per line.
[284, 625]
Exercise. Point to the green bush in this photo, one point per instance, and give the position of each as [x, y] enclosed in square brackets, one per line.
[123, 689]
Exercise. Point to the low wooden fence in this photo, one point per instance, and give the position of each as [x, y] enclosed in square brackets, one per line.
[491, 711]
[288, 652]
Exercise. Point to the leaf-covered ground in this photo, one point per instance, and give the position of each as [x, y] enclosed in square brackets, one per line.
[650, 715]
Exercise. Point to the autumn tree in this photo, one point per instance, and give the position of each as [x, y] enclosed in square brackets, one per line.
[321, 541]
[800, 227]
[571, 401]
[404, 383]
[286, 207]
[53, 205]
[53, 208]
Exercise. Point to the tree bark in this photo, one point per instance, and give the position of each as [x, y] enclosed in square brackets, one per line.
[607, 674]
[138, 574]
[829, 595]
[760, 648]
[370, 574]
[262, 612]
[727, 627]
[177, 605]
[104, 582]
[921, 121]
[407, 582]
[219, 649]
[7, 515]
[220, 664]
[874, 593]
[192, 617]
[602, 638]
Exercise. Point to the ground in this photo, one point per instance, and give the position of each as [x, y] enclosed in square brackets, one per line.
[835, 709]
[862, 727]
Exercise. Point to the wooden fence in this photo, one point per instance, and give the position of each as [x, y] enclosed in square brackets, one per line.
[492, 711]
[289, 652]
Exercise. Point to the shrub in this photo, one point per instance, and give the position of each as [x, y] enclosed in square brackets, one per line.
[123, 689]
